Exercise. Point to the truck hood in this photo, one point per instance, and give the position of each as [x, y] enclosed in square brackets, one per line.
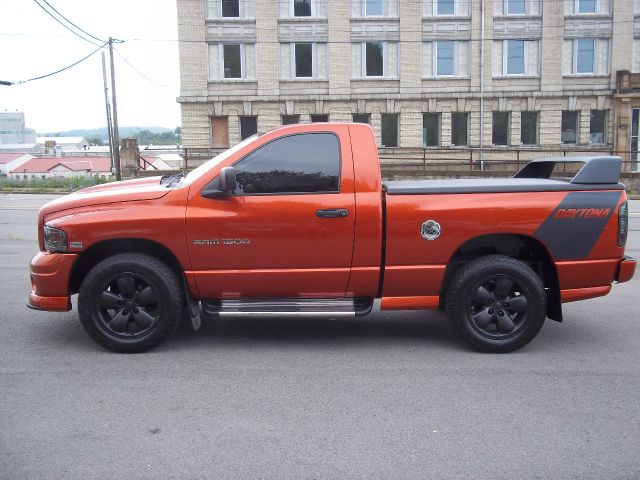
[127, 191]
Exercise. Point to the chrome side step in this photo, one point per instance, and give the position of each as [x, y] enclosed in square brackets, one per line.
[284, 307]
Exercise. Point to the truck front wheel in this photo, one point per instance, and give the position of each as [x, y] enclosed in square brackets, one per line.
[130, 302]
[496, 304]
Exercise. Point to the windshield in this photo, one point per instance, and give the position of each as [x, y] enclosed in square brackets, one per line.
[205, 167]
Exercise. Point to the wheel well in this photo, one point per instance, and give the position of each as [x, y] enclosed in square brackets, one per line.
[99, 251]
[521, 247]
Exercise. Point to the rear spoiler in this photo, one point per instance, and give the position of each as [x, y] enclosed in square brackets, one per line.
[596, 170]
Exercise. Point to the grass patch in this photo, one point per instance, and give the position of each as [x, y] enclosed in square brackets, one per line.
[36, 185]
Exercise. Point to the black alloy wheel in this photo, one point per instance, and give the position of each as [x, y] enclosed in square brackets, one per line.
[129, 306]
[130, 302]
[496, 304]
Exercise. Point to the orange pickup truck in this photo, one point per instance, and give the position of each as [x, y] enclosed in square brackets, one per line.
[297, 221]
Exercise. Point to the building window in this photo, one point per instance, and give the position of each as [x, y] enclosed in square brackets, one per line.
[598, 126]
[584, 55]
[303, 163]
[362, 118]
[515, 7]
[514, 57]
[232, 61]
[301, 8]
[445, 54]
[230, 8]
[446, 58]
[459, 129]
[500, 130]
[290, 119]
[374, 59]
[431, 129]
[389, 130]
[374, 7]
[319, 118]
[569, 133]
[445, 7]
[585, 6]
[248, 126]
[529, 128]
[303, 60]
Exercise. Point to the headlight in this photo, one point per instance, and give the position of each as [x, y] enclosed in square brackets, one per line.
[55, 240]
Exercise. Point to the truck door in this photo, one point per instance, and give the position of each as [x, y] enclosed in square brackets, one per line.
[288, 231]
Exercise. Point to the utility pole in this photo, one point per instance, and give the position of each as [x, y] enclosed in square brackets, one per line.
[108, 107]
[116, 139]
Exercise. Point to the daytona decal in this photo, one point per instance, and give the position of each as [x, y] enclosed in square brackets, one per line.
[574, 227]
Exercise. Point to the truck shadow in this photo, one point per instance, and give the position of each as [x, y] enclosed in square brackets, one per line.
[423, 328]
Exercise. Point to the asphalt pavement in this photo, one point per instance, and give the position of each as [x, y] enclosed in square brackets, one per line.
[387, 396]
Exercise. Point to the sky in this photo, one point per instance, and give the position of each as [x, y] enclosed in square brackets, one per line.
[34, 44]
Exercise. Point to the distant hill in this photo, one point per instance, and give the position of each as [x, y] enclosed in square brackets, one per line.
[145, 135]
[102, 132]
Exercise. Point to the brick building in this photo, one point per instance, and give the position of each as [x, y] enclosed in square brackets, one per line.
[532, 74]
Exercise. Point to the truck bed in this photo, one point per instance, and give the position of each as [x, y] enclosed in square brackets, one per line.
[489, 185]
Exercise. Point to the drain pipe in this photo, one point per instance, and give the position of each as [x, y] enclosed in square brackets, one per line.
[481, 84]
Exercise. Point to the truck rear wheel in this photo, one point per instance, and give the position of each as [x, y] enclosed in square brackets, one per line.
[496, 304]
[130, 302]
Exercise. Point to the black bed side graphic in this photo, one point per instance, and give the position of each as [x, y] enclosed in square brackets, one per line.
[574, 227]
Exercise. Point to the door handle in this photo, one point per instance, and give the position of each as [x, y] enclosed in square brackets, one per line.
[332, 213]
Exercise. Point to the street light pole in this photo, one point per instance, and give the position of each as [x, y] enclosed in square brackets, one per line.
[108, 107]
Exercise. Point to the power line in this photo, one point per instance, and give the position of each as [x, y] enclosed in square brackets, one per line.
[62, 69]
[139, 72]
[63, 24]
[70, 22]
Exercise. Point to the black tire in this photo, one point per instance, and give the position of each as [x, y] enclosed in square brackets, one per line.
[130, 302]
[496, 304]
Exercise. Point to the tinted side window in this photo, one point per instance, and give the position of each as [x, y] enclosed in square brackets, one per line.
[296, 164]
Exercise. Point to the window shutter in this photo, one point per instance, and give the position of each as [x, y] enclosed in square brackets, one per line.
[427, 8]
[602, 56]
[357, 7]
[214, 65]
[250, 9]
[462, 62]
[636, 55]
[212, 8]
[390, 59]
[497, 58]
[567, 57]
[284, 6]
[321, 60]
[531, 67]
[250, 60]
[569, 7]
[462, 7]
[603, 6]
[321, 8]
[533, 7]
[427, 59]
[392, 8]
[285, 60]
[356, 60]
[499, 7]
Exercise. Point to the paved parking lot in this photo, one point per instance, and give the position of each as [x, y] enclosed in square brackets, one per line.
[390, 396]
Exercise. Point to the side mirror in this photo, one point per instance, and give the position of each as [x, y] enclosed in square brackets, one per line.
[228, 181]
[223, 185]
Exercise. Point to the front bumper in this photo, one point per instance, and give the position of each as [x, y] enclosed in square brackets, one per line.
[626, 269]
[50, 273]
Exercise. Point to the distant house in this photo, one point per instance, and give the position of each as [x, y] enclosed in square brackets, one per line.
[63, 144]
[62, 167]
[9, 161]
